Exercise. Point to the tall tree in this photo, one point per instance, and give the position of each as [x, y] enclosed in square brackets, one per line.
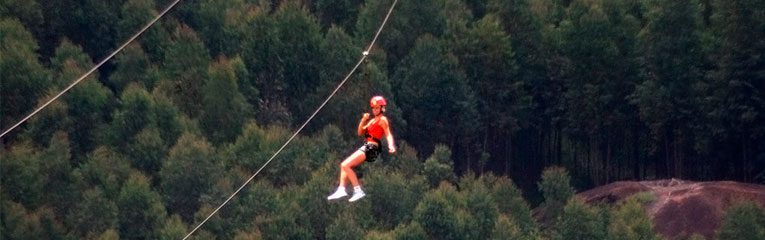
[88, 103]
[337, 13]
[141, 211]
[429, 85]
[630, 221]
[217, 23]
[29, 13]
[189, 172]
[92, 215]
[284, 62]
[599, 44]
[580, 221]
[133, 114]
[438, 215]
[490, 66]
[299, 47]
[410, 21]
[24, 78]
[134, 14]
[743, 220]
[20, 175]
[556, 188]
[133, 65]
[185, 65]
[22, 223]
[89, 23]
[737, 89]
[107, 170]
[666, 99]
[224, 109]
[526, 37]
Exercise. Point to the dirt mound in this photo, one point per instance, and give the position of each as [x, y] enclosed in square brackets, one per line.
[682, 207]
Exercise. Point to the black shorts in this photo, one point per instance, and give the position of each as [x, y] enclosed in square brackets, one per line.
[371, 151]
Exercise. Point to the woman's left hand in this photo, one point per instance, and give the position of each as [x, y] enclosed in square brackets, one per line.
[391, 150]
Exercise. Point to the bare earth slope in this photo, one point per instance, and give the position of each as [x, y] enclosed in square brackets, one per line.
[682, 207]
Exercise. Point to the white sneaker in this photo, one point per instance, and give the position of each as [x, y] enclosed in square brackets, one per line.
[356, 196]
[338, 194]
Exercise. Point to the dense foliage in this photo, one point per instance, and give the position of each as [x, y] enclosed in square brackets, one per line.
[479, 92]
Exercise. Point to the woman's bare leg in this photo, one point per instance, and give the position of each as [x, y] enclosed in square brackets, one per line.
[343, 176]
[346, 168]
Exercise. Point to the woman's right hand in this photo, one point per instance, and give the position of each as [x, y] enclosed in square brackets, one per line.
[365, 117]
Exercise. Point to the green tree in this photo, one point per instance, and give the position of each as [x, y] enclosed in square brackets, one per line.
[341, 13]
[257, 145]
[92, 215]
[430, 83]
[630, 221]
[147, 150]
[44, 124]
[409, 21]
[556, 188]
[247, 236]
[527, 38]
[312, 198]
[140, 209]
[438, 215]
[28, 13]
[395, 197]
[106, 169]
[411, 231]
[345, 108]
[482, 209]
[24, 78]
[23, 224]
[260, 199]
[666, 100]
[55, 163]
[345, 227]
[223, 106]
[293, 36]
[20, 174]
[109, 234]
[173, 228]
[217, 23]
[249, 150]
[743, 221]
[132, 66]
[287, 224]
[134, 14]
[439, 166]
[489, 61]
[185, 65]
[580, 221]
[168, 118]
[132, 116]
[88, 103]
[405, 161]
[505, 228]
[509, 200]
[189, 172]
[599, 44]
[91, 24]
[735, 97]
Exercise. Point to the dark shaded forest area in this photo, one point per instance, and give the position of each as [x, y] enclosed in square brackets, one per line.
[483, 97]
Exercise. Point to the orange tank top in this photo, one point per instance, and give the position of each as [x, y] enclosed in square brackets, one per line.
[374, 132]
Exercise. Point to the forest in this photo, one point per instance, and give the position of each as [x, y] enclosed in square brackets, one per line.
[497, 107]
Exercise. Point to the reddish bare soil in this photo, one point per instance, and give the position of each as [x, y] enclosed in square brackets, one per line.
[682, 208]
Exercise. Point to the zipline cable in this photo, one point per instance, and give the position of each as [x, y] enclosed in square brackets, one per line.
[363, 57]
[131, 39]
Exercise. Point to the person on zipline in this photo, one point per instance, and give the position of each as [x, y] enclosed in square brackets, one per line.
[372, 130]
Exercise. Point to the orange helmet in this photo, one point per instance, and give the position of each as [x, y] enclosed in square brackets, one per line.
[377, 101]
